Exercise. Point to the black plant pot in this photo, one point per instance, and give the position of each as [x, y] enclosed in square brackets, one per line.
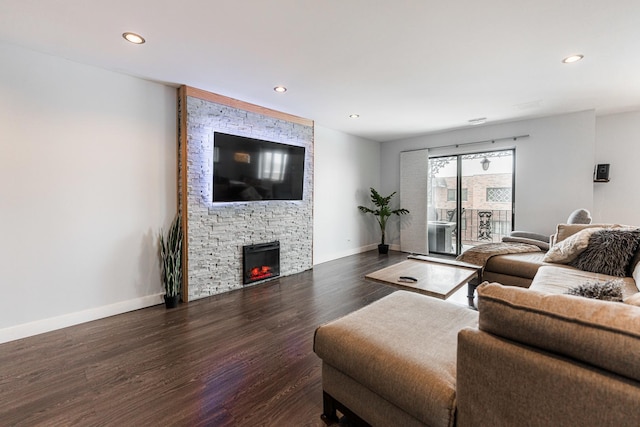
[171, 302]
[383, 249]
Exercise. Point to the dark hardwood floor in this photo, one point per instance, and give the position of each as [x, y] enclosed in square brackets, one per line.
[244, 358]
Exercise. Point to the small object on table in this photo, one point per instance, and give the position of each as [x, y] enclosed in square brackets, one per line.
[407, 279]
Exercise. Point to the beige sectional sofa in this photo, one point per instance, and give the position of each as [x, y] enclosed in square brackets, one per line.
[531, 356]
[522, 269]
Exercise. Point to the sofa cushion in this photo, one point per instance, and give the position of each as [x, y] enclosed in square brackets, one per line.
[521, 265]
[608, 252]
[600, 333]
[403, 348]
[558, 279]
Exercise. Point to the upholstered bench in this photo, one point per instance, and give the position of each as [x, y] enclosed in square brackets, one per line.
[394, 361]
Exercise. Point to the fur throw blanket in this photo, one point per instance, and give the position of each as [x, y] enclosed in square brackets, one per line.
[479, 255]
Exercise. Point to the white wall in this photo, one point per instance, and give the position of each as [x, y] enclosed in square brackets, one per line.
[87, 178]
[554, 166]
[345, 167]
[618, 143]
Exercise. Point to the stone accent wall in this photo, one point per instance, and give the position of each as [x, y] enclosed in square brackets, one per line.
[217, 232]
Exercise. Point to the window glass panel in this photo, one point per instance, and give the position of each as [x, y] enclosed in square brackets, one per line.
[499, 194]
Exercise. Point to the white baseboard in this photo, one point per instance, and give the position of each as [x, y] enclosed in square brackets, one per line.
[353, 251]
[342, 254]
[51, 324]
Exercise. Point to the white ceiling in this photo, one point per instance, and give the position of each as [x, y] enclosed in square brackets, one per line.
[408, 67]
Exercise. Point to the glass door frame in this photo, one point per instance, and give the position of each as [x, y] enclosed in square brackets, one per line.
[458, 209]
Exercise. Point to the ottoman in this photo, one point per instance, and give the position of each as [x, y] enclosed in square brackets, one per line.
[393, 362]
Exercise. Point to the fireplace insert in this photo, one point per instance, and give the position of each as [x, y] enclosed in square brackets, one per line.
[260, 262]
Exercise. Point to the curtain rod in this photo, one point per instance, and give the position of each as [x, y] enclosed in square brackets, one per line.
[506, 138]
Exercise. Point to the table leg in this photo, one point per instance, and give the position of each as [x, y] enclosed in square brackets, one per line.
[471, 291]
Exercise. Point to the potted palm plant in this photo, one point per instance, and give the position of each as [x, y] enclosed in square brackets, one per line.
[382, 212]
[171, 258]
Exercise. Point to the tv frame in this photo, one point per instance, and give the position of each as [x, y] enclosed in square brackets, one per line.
[239, 157]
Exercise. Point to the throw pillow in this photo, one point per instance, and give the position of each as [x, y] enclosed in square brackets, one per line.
[608, 252]
[579, 216]
[569, 249]
[611, 290]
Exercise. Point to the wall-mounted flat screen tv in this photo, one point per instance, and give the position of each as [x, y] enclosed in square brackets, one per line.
[249, 169]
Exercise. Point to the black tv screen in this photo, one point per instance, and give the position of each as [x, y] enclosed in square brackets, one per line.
[248, 169]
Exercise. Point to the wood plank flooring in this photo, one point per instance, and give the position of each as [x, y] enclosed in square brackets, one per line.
[244, 358]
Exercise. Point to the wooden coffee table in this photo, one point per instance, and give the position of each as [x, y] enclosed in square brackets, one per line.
[436, 277]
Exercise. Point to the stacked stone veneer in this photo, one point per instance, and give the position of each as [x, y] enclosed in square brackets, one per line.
[217, 232]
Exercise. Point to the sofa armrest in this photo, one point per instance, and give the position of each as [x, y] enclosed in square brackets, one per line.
[501, 382]
[530, 235]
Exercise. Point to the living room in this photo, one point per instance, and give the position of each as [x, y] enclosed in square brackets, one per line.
[89, 177]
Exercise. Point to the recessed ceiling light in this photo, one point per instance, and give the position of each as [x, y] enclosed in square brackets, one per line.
[354, 116]
[133, 38]
[572, 58]
[478, 121]
[280, 89]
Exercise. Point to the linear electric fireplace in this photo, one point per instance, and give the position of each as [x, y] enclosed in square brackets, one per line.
[261, 261]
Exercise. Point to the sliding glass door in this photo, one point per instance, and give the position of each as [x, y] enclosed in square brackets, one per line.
[470, 200]
[442, 202]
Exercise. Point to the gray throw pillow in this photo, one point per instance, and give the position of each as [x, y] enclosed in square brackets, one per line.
[579, 216]
[609, 252]
[611, 290]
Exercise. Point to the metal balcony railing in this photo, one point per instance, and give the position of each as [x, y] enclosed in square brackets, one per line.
[478, 225]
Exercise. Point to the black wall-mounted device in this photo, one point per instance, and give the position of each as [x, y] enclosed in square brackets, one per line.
[602, 172]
